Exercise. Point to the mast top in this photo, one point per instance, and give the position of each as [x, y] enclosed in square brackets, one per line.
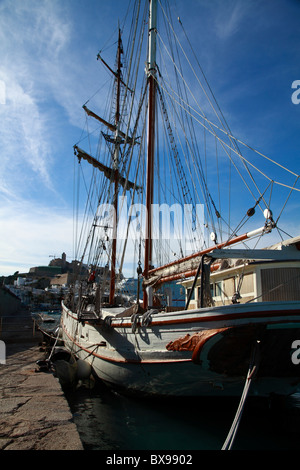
[151, 70]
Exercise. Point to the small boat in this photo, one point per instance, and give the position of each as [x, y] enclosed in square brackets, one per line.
[45, 318]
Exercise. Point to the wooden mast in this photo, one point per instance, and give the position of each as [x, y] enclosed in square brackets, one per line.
[151, 71]
[116, 175]
[112, 173]
[156, 275]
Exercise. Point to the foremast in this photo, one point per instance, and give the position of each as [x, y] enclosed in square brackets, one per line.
[112, 173]
[116, 176]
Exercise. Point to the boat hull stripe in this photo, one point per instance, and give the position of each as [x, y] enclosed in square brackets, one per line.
[122, 360]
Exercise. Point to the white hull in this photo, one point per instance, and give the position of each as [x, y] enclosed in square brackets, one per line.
[212, 361]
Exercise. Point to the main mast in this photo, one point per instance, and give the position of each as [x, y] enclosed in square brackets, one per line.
[151, 71]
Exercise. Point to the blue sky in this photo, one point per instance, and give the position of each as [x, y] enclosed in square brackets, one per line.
[249, 50]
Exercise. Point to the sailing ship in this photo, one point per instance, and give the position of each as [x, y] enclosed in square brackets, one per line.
[242, 305]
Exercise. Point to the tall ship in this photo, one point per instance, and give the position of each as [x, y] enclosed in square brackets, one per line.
[164, 200]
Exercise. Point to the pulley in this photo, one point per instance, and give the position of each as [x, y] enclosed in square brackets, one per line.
[213, 237]
[269, 224]
[139, 269]
[268, 214]
[251, 212]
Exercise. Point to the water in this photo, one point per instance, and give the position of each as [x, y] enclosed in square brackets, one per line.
[109, 421]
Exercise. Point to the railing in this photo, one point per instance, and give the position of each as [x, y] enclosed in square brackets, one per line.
[17, 324]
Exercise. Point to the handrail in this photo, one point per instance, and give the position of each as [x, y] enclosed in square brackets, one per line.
[15, 323]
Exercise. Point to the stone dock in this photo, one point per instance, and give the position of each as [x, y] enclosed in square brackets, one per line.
[34, 413]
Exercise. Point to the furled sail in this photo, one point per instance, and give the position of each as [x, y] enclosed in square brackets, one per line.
[108, 172]
[187, 267]
[110, 126]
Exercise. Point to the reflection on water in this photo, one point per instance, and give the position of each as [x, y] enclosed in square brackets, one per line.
[109, 421]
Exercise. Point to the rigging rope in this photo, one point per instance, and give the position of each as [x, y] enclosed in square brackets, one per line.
[226, 129]
[182, 178]
[231, 136]
[191, 154]
[227, 132]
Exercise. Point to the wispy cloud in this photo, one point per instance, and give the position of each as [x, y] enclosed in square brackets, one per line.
[229, 17]
[30, 34]
[23, 135]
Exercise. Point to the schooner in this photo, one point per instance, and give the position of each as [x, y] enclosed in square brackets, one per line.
[241, 304]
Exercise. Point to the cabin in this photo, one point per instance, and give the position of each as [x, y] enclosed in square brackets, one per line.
[243, 280]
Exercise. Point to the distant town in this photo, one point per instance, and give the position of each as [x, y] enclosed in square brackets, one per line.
[42, 287]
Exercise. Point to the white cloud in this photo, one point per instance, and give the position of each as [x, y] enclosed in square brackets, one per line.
[29, 234]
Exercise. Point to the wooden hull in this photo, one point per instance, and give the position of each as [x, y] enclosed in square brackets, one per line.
[192, 353]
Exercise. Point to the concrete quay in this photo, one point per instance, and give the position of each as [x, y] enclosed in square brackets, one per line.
[34, 413]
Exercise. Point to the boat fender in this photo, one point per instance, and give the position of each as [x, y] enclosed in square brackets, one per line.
[66, 372]
[84, 370]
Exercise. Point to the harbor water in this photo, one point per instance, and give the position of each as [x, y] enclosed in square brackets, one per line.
[109, 421]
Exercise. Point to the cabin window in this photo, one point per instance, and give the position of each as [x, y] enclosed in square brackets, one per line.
[247, 284]
[229, 287]
[188, 293]
[223, 291]
[218, 289]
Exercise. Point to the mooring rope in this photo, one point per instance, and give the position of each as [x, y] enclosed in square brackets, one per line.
[237, 419]
[55, 342]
